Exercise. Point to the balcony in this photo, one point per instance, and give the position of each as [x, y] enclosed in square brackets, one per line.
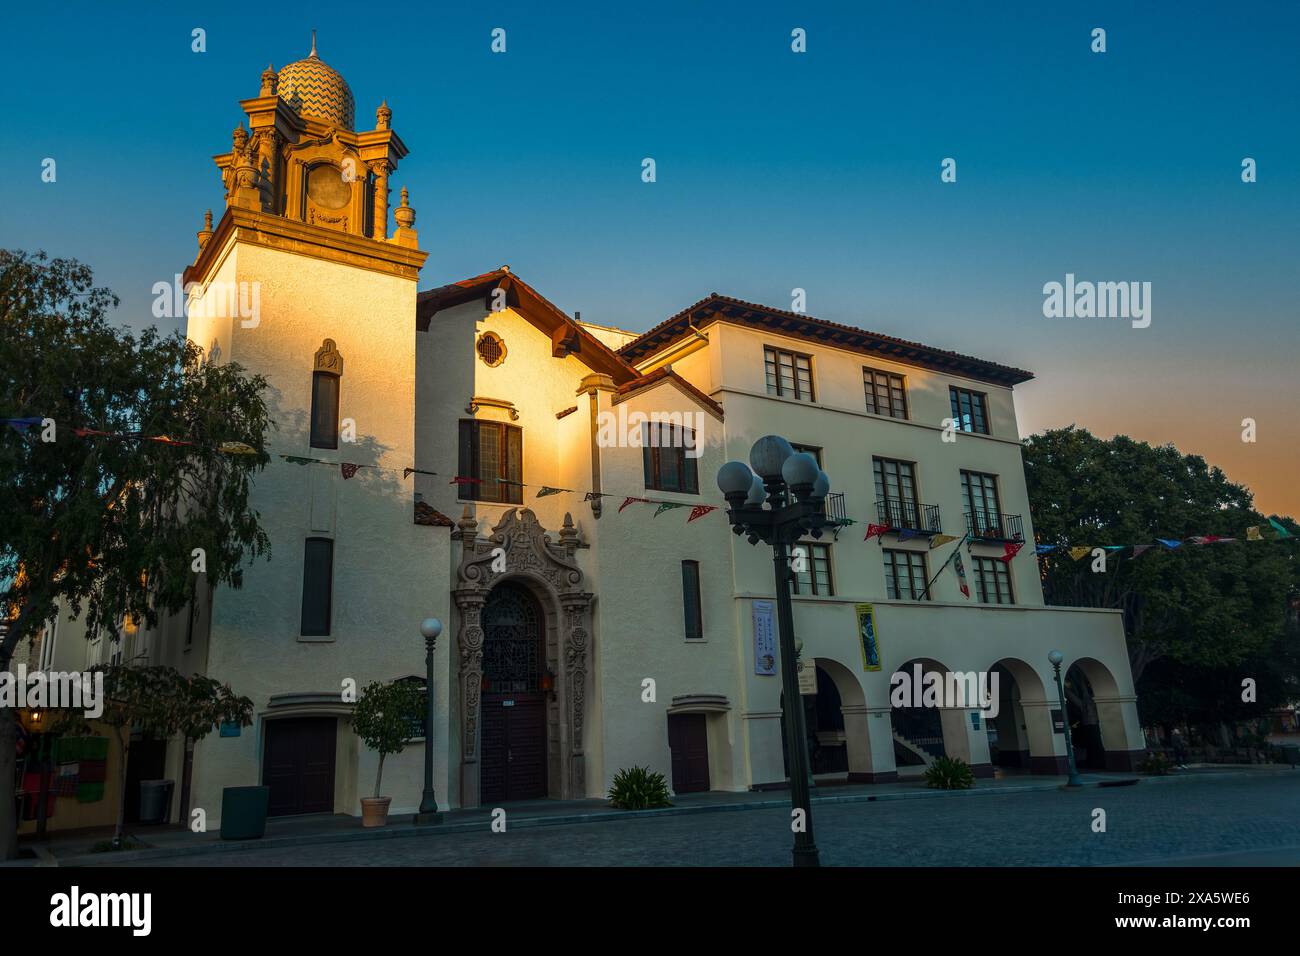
[994, 528]
[836, 512]
[908, 516]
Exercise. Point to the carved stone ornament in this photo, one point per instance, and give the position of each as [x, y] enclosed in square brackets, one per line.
[328, 358]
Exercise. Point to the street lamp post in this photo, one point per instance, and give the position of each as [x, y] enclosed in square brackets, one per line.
[1056, 657]
[794, 490]
[430, 627]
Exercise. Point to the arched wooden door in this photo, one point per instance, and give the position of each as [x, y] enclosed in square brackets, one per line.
[513, 722]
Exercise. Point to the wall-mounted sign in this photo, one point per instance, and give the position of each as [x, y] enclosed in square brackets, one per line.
[870, 646]
[807, 671]
[229, 729]
[1058, 722]
[764, 639]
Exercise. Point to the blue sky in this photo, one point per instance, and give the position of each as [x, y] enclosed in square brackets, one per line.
[775, 170]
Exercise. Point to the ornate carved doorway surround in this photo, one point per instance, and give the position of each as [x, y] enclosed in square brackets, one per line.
[527, 558]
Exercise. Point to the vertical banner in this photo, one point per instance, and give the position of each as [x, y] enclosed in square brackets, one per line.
[961, 574]
[867, 637]
[807, 673]
[764, 639]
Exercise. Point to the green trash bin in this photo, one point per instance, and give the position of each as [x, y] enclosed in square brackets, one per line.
[243, 812]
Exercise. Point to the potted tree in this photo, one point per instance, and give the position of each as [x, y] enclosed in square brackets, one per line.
[386, 718]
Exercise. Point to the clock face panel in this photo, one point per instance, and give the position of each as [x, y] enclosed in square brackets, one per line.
[326, 188]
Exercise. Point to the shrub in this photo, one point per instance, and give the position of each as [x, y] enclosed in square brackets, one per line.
[1157, 764]
[949, 773]
[639, 788]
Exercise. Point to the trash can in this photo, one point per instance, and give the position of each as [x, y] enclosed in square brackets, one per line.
[243, 812]
[155, 800]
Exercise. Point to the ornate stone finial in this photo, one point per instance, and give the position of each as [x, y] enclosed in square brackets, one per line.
[313, 45]
[467, 525]
[568, 535]
[239, 138]
[505, 268]
[405, 214]
[269, 80]
[205, 233]
[383, 116]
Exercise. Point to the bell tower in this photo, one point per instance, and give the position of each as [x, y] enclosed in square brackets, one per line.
[302, 281]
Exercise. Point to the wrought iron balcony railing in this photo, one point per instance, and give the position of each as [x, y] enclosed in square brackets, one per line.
[983, 526]
[834, 508]
[908, 515]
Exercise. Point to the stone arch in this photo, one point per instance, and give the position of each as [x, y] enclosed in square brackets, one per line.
[958, 727]
[1095, 711]
[521, 552]
[1023, 725]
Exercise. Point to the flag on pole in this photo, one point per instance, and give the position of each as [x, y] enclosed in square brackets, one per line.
[960, 568]
[1010, 550]
[699, 511]
[348, 469]
[875, 529]
[907, 534]
[939, 540]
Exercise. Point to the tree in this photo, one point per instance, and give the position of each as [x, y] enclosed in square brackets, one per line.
[1215, 610]
[161, 702]
[113, 527]
[386, 718]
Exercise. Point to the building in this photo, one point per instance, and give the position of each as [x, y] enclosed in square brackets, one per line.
[585, 633]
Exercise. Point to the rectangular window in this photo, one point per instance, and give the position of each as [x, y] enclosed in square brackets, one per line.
[969, 409]
[691, 600]
[317, 587]
[886, 393]
[812, 568]
[993, 581]
[789, 374]
[665, 463]
[905, 574]
[189, 619]
[324, 410]
[896, 486]
[492, 452]
[813, 450]
[980, 493]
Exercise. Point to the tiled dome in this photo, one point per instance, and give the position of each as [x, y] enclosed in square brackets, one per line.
[316, 89]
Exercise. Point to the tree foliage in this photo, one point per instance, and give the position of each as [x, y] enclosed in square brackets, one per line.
[386, 718]
[1215, 612]
[109, 526]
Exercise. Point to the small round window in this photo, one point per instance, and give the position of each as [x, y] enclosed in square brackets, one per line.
[491, 349]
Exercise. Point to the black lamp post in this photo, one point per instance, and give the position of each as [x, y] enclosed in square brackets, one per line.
[430, 627]
[780, 504]
[1056, 657]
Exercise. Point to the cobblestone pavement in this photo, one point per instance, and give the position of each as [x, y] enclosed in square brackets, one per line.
[1226, 822]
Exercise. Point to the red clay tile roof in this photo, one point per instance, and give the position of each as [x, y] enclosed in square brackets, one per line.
[666, 372]
[724, 308]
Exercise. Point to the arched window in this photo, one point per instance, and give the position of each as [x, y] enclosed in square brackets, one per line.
[325, 379]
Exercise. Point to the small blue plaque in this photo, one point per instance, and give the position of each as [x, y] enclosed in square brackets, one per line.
[229, 729]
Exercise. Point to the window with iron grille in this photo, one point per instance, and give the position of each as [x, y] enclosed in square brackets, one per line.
[886, 393]
[491, 349]
[789, 374]
[665, 462]
[325, 410]
[993, 581]
[815, 562]
[492, 452]
[905, 574]
[691, 600]
[980, 492]
[896, 484]
[969, 409]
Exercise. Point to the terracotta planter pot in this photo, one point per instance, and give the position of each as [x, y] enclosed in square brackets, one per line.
[374, 811]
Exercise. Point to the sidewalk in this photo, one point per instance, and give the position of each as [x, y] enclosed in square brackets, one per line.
[74, 849]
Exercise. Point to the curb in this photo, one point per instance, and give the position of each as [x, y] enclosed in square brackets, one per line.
[407, 831]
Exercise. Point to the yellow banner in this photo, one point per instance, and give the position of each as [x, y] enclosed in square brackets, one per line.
[867, 637]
